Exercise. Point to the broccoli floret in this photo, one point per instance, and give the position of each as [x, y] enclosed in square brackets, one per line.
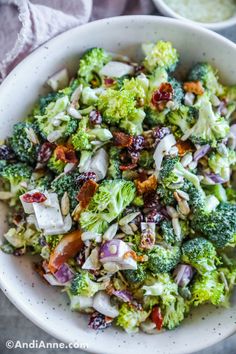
[210, 128]
[154, 117]
[42, 183]
[14, 175]
[201, 254]
[53, 240]
[219, 225]
[92, 62]
[138, 86]
[168, 233]
[56, 165]
[218, 191]
[173, 172]
[174, 314]
[130, 318]
[81, 139]
[114, 171]
[208, 288]
[22, 237]
[67, 183]
[89, 96]
[231, 195]
[161, 54]
[119, 108]
[136, 276]
[83, 285]
[178, 93]
[146, 159]
[45, 100]
[163, 259]
[3, 164]
[208, 76]
[21, 142]
[221, 164]
[56, 123]
[166, 195]
[196, 196]
[111, 198]
[183, 117]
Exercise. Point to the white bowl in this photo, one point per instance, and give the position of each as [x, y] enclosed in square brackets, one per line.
[216, 26]
[42, 304]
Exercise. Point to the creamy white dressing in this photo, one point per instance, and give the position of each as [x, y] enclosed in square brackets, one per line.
[204, 10]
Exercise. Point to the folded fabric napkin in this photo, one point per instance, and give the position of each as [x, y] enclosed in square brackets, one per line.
[24, 24]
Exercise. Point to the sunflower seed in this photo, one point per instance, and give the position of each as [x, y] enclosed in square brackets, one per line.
[172, 212]
[31, 135]
[134, 227]
[65, 204]
[127, 229]
[187, 159]
[111, 232]
[177, 228]
[183, 194]
[128, 218]
[183, 207]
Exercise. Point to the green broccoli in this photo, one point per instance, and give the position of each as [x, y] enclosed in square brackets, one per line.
[154, 118]
[163, 259]
[45, 100]
[114, 171]
[14, 178]
[201, 254]
[174, 313]
[208, 288]
[231, 194]
[184, 117]
[56, 123]
[130, 318]
[138, 86]
[119, 108]
[91, 63]
[218, 191]
[67, 183]
[42, 183]
[83, 285]
[166, 195]
[196, 195]
[221, 164]
[146, 159]
[210, 128]
[219, 225]
[111, 198]
[168, 233]
[136, 276]
[22, 237]
[161, 54]
[208, 76]
[24, 142]
[178, 93]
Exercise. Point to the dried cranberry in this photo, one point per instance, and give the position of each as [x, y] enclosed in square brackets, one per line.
[99, 321]
[160, 133]
[151, 201]
[154, 216]
[109, 81]
[6, 153]
[36, 197]
[164, 93]
[84, 177]
[138, 69]
[95, 117]
[138, 143]
[45, 152]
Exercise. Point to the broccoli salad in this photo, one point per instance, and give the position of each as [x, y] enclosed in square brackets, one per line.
[121, 179]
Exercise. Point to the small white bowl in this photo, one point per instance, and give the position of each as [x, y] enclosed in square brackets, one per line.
[44, 305]
[216, 26]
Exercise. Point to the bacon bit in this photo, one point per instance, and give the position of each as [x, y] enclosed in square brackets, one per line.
[86, 193]
[122, 139]
[147, 185]
[194, 87]
[45, 152]
[184, 147]
[65, 154]
[162, 95]
[157, 318]
[36, 197]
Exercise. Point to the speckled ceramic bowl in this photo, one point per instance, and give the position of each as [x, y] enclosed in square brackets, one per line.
[46, 306]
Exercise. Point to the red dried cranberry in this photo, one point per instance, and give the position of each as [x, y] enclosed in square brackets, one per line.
[45, 152]
[162, 95]
[154, 216]
[138, 143]
[95, 117]
[151, 200]
[84, 177]
[109, 81]
[160, 133]
[99, 321]
[6, 153]
[36, 197]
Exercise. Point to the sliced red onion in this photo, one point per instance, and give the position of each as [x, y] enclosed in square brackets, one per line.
[183, 274]
[59, 80]
[52, 280]
[123, 295]
[201, 152]
[64, 274]
[214, 178]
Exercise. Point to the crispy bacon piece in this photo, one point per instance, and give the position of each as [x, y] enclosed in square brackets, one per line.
[36, 197]
[86, 193]
[130, 166]
[65, 154]
[156, 317]
[122, 139]
[146, 186]
[194, 87]
[184, 147]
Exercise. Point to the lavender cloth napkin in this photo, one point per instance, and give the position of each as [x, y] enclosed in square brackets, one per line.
[24, 24]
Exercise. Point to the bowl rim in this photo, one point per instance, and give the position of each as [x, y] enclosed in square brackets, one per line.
[167, 10]
[22, 306]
